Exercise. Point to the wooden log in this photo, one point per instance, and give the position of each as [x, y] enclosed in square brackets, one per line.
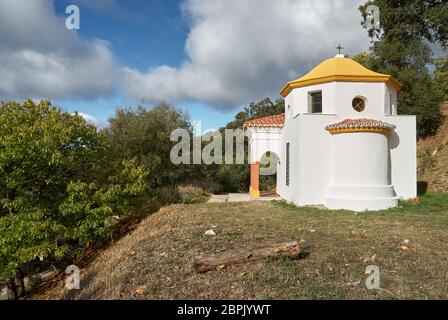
[221, 260]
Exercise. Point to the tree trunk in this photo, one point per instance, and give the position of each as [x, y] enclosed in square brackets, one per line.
[11, 289]
[20, 284]
[204, 264]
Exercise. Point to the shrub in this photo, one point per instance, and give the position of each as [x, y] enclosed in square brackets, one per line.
[165, 196]
[425, 161]
[206, 185]
[191, 194]
[234, 178]
[59, 187]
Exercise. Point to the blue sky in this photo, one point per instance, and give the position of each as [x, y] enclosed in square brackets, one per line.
[208, 57]
[143, 34]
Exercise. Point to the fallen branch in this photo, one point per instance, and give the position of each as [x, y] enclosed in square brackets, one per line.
[221, 260]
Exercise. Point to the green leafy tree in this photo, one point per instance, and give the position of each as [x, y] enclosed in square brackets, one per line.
[41, 150]
[58, 186]
[400, 48]
[144, 134]
[90, 210]
[25, 237]
[258, 109]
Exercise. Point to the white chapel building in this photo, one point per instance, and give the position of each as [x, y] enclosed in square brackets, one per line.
[340, 142]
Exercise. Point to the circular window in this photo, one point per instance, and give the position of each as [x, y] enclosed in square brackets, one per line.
[359, 104]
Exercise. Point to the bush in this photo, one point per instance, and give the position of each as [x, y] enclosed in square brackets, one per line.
[191, 194]
[206, 185]
[426, 160]
[164, 196]
[234, 178]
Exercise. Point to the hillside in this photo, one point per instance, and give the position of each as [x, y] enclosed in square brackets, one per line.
[155, 260]
[433, 157]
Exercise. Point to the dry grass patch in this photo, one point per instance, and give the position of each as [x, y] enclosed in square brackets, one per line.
[155, 260]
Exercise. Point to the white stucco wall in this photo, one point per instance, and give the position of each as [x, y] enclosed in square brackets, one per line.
[361, 176]
[403, 155]
[361, 159]
[262, 140]
[374, 93]
[290, 134]
[310, 159]
[391, 98]
[337, 99]
[299, 102]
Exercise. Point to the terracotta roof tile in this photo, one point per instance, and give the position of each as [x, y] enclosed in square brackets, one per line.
[360, 125]
[269, 121]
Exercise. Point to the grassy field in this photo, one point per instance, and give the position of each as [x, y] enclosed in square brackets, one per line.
[408, 244]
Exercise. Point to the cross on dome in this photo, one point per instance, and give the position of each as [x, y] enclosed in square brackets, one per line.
[339, 47]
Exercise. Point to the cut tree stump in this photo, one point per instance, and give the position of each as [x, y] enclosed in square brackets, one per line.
[221, 260]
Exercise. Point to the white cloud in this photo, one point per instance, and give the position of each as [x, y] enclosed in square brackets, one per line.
[90, 119]
[239, 51]
[40, 58]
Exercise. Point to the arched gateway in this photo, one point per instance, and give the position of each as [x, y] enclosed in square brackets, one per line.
[265, 135]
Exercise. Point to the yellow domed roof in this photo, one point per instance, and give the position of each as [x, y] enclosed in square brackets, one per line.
[339, 69]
